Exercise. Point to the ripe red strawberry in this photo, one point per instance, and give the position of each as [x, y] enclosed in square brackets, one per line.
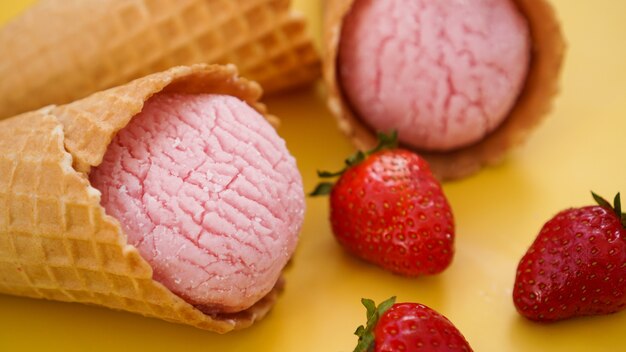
[407, 327]
[388, 209]
[576, 266]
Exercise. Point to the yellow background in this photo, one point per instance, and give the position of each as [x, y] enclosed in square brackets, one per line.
[498, 213]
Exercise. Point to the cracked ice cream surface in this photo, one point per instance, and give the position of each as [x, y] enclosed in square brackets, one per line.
[207, 191]
[443, 73]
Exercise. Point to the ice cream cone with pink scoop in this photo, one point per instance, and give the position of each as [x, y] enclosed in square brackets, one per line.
[171, 196]
[461, 81]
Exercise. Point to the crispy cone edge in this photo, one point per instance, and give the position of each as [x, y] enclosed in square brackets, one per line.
[56, 241]
[534, 103]
[109, 43]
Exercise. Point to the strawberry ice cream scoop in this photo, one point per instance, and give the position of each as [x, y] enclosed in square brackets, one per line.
[444, 73]
[207, 191]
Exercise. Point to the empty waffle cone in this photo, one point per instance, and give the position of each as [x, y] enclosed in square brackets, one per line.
[533, 104]
[56, 241]
[62, 50]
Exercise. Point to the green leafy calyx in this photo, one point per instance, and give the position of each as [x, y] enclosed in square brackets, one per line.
[385, 141]
[616, 207]
[366, 333]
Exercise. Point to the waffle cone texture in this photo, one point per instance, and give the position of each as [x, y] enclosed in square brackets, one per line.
[533, 104]
[62, 50]
[56, 241]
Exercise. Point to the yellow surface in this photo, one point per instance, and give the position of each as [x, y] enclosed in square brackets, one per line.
[498, 213]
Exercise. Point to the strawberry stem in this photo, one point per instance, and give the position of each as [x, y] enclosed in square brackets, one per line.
[385, 141]
[601, 201]
[617, 203]
[366, 333]
[616, 207]
[322, 189]
[327, 174]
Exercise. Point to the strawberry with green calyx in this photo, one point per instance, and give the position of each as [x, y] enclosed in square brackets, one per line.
[407, 327]
[576, 266]
[385, 141]
[388, 209]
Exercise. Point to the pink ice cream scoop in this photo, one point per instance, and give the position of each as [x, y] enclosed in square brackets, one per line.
[208, 193]
[444, 73]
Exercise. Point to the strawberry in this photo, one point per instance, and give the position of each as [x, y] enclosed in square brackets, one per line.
[576, 266]
[407, 327]
[388, 209]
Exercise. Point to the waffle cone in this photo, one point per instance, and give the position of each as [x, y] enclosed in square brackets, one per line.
[533, 104]
[56, 241]
[62, 50]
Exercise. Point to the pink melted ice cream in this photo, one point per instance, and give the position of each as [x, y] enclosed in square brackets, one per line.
[207, 191]
[444, 73]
